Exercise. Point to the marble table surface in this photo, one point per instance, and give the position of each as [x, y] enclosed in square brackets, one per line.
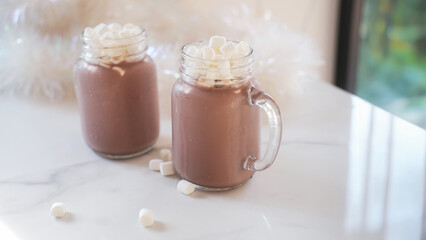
[345, 170]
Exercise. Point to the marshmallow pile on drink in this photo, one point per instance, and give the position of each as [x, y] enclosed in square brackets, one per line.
[218, 60]
[112, 44]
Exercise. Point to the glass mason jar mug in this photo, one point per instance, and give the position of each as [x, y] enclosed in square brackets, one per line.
[216, 123]
[116, 86]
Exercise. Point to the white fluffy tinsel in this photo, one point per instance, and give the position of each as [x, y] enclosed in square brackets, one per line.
[39, 42]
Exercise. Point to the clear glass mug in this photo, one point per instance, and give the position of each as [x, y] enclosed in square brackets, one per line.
[116, 89]
[216, 125]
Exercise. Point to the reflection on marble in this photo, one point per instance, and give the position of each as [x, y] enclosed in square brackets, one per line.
[386, 180]
[346, 170]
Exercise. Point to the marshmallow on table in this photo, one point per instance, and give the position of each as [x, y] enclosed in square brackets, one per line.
[185, 187]
[154, 164]
[58, 209]
[146, 217]
[166, 168]
[166, 154]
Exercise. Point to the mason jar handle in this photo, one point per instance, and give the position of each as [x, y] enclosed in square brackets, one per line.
[265, 102]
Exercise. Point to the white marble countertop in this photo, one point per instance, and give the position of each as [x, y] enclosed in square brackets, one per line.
[345, 170]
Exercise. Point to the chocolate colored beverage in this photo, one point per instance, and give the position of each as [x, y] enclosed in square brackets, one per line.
[117, 95]
[213, 134]
[216, 121]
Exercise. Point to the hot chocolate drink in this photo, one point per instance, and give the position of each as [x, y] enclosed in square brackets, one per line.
[116, 88]
[119, 113]
[214, 131]
[216, 116]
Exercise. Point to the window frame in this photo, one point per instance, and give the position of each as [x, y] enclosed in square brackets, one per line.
[348, 39]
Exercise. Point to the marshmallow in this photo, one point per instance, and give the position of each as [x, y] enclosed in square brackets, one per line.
[126, 33]
[219, 57]
[119, 70]
[116, 35]
[224, 64]
[208, 53]
[133, 58]
[212, 75]
[146, 217]
[243, 47]
[185, 187]
[107, 39]
[238, 55]
[137, 31]
[107, 36]
[130, 32]
[166, 154]
[97, 53]
[129, 26]
[154, 164]
[216, 42]
[58, 210]
[90, 33]
[105, 65]
[114, 27]
[113, 53]
[117, 60]
[228, 50]
[133, 49]
[193, 51]
[101, 29]
[225, 74]
[195, 64]
[166, 168]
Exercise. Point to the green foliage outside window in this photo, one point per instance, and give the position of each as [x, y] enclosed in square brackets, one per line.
[392, 58]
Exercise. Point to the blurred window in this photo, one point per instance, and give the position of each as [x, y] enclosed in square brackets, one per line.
[391, 69]
[381, 54]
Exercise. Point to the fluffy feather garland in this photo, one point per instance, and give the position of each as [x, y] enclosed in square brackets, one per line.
[40, 41]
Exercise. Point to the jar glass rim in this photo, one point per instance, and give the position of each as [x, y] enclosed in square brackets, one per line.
[115, 51]
[205, 43]
[138, 37]
[243, 64]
